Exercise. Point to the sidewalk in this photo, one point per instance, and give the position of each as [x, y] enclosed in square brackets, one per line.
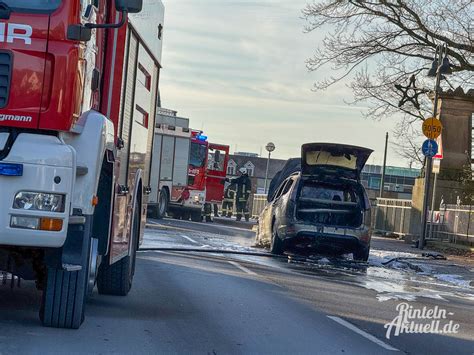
[398, 245]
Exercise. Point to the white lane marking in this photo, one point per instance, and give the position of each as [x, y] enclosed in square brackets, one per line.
[364, 334]
[243, 268]
[190, 239]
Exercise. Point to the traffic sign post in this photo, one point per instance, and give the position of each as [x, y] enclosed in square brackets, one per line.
[432, 129]
[429, 148]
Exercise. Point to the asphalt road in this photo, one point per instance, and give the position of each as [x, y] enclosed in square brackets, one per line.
[210, 303]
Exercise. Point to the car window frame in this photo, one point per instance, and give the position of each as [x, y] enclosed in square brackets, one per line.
[288, 186]
[282, 188]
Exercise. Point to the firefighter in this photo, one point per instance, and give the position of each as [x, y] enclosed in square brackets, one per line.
[244, 188]
[208, 212]
[228, 201]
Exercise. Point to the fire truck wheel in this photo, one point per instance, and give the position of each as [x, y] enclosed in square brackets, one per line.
[185, 216]
[196, 216]
[116, 279]
[64, 297]
[162, 204]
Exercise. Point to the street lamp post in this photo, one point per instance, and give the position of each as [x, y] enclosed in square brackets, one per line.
[437, 70]
[270, 147]
[382, 182]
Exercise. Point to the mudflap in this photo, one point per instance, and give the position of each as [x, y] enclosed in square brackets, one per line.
[116, 279]
[65, 292]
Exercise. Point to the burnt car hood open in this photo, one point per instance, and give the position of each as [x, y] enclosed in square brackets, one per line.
[323, 160]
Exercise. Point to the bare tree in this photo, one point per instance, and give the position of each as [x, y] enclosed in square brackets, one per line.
[408, 141]
[381, 43]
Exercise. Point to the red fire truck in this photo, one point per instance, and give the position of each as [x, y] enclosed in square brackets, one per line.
[187, 171]
[206, 170]
[78, 89]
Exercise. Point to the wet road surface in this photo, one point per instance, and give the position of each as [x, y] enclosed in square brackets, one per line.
[210, 303]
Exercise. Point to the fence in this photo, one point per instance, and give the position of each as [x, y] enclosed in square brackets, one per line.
[453, 223]
[392, 216]
[456, 224]
[258, 204]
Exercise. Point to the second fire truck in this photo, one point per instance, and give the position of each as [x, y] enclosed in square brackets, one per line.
[187, 170]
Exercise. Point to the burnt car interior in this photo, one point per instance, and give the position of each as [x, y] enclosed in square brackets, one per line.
[330, 204]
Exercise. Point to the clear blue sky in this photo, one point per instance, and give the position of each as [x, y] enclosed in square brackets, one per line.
[236, 68]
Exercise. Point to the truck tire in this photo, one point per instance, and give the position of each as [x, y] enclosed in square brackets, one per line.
[162, 204]
[116, 279]
[64, 296]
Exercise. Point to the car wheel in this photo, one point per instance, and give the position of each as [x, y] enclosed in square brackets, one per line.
[276, 246]
[361, 254]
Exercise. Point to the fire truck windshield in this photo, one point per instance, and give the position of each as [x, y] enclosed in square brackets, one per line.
[32, 5]
[198, 155]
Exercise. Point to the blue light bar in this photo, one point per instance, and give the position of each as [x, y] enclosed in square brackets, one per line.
[7, 169]
[201, 137]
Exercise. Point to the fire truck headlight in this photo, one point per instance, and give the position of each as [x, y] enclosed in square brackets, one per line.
[39, 201]
[25, 222]
[196, 198]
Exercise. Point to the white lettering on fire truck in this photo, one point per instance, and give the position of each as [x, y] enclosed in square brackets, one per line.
[15, 118]
[10, 32]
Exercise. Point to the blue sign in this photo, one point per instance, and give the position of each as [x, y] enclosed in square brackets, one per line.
[429, 148]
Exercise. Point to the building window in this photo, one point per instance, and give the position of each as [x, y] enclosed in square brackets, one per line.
[231, 167]
[250, 168]
[144, 77]
[141, 116]
[374, 182]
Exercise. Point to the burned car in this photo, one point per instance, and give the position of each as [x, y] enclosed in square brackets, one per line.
[320, 204]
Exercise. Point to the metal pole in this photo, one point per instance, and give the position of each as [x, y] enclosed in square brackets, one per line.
[266, 173]
[432, 205]
[429, 164]
[382, 182]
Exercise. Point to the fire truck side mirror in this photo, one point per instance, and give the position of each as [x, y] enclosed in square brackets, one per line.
[130, 6]
[123, 6]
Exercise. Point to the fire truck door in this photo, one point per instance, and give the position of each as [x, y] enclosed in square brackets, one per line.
[218, 157]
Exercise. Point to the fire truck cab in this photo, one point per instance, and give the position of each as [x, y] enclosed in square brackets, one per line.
[78, 89]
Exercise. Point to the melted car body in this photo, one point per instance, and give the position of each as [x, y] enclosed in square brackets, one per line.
[323, 206]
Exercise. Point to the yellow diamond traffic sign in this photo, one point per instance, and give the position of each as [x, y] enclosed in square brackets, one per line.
[432, 128]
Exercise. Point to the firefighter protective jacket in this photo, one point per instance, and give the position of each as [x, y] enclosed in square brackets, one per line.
[243, 187]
